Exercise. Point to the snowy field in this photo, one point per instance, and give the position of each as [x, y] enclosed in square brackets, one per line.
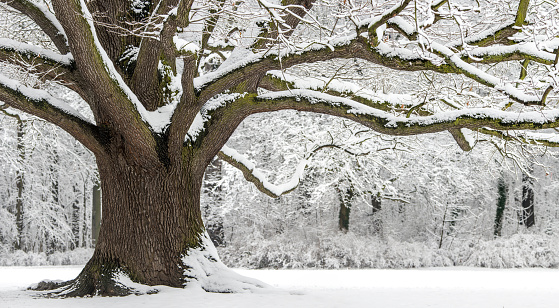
[417, 288]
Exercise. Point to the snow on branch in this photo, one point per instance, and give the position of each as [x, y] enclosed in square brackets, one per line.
[323, 84]
[397, 125]
[484, 77]
[257, 177]
[44, 18]
[239, 58]
[28, 51]
[41, 104]
[494, 35]
[375, 22]
[46, 64]
[550, 139]
[38, 97]
[529, 51]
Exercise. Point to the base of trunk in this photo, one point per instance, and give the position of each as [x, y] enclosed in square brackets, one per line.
[106, 279]
[201, 266]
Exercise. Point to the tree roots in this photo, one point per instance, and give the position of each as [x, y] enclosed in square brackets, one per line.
[201, 269]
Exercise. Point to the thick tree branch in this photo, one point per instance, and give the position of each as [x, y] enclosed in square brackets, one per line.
[41, 104]
[112, 102]
[44, 19]
[251, 73]
[275, 82]
[376, 22]
[186, 110]
[45, 64]
[460, 139]
[223, 121]
[145, 81]
[395, 125]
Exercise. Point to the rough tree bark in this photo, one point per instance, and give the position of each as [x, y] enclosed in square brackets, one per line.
[95, 213]
[153, 215]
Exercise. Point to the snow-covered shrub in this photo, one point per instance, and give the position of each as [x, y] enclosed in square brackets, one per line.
[520, 250]
[355, 251]
[340, 251]
[73, 257]
[20, 258]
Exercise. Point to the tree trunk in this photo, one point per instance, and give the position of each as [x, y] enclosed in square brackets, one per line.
[150, 220]
[95, 213]
[501, 203]
[346, 197]
[376, 203]
[528, 216]
[151, 232]
[20, 211]
[76, 220]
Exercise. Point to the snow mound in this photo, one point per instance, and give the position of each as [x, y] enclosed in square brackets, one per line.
[204, 270]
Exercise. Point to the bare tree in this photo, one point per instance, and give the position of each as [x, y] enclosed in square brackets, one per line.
[159, 120]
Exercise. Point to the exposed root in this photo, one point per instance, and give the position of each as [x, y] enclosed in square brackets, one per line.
[201, 269]
[93, 281]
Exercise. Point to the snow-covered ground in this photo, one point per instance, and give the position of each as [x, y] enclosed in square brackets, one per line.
[417, 288]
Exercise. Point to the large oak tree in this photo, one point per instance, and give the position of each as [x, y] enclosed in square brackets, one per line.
[168, 82]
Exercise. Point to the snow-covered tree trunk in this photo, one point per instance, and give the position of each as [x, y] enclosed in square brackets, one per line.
[376, 204]
[20, 209]
[151, 218]
[502, 192]
[346, 196]
[76, 218]
[528, 216]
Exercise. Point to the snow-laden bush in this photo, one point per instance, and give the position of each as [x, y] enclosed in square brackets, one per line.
[354, 251]
[20, 258]
[73, 257]
[520, 250]
[340, 251]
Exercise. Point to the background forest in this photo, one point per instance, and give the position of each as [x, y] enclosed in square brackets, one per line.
[366, 200]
